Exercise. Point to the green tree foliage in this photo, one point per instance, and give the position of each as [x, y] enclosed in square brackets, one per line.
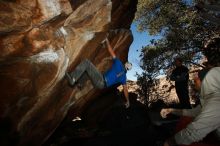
[182, 30]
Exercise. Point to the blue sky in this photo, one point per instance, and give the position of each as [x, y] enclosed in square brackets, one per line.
[140, 39]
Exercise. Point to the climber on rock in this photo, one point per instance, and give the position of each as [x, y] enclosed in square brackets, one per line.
[115, 75]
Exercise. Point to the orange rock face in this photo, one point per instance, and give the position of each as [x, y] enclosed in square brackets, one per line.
[40, 41]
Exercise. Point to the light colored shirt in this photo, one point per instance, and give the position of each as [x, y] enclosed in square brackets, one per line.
[208, 118]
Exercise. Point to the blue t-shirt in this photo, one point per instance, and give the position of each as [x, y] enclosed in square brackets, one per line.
[116, 74]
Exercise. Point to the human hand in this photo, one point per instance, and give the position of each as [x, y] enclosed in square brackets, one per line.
[127, 104]
[165, 111]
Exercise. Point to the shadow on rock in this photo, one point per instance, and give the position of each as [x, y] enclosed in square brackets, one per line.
[116, 126]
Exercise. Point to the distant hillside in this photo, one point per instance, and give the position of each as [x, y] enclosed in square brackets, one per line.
[165, 90]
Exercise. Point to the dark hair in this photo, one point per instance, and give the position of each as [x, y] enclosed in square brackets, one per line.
[179, 59]
[212, 51]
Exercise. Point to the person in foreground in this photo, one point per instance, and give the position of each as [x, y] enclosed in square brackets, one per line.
[207, 116]
[115, 75]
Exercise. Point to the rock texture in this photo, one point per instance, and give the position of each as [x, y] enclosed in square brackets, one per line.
[41, 40]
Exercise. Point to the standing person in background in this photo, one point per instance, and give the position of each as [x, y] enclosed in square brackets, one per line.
[181, 76]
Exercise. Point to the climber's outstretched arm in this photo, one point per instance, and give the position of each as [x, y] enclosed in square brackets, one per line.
[110, 49]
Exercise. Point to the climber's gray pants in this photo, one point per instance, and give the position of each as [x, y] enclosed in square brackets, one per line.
[95, 76]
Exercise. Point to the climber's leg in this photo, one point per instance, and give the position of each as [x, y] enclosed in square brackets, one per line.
[86, 66]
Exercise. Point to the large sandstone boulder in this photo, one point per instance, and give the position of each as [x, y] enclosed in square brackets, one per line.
[40, 41]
